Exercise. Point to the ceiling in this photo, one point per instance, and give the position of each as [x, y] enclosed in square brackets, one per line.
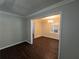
[25, 7]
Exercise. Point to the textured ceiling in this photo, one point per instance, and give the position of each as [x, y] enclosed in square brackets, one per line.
[25, 7]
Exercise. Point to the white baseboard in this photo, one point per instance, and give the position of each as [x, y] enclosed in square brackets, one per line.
[38, 36]
[11, 45]
[47, 37]
[17, 43]
[28, 42]
[51, 37]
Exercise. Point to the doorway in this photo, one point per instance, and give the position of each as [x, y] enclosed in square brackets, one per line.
[47, 27]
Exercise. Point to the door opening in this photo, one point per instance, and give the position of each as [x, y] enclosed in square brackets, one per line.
[48, 27]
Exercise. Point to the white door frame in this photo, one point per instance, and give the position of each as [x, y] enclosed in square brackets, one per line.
[61, 22]
[59, 32]
[31, 31]
[60, 35]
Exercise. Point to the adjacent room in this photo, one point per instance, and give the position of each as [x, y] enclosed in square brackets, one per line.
[47, 26]
[46, 32]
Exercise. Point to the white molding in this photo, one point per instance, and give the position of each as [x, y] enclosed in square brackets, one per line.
[38, 36]
[31, 31]
[59, 37]
[28, 42]
[11, 45]
[59, 4]
[60, 34]
[51, 37]
[12, 14]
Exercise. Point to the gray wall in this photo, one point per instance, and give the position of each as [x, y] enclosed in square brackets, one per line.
[12, 30]
[28, 31]
[70, 29]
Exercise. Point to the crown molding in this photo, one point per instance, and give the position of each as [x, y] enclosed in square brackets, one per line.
[12, 14]
[59, 4]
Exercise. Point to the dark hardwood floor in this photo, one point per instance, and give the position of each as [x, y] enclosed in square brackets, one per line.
[43, 48]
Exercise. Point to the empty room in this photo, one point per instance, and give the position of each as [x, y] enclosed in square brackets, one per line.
[45, 33]
[39, 29]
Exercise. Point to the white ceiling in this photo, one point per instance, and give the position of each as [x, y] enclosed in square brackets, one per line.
[25, 7]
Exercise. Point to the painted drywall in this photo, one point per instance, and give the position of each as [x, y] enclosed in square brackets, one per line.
[46, 30]
[69, 47]
[37, 28]
[24, 7]
[42, 27]
[12, 30]
[47, 26]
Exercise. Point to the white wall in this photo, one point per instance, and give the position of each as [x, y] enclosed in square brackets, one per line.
[37, 28]
[47, 26]
[70, 29]
[12, 30]
[43, 28]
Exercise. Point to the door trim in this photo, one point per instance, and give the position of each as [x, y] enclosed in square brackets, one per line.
[60, 32]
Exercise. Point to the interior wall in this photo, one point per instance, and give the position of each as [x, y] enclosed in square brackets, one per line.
[37, 28]
[43, 27]
[12, 30]
[69, 46]
[46, 28]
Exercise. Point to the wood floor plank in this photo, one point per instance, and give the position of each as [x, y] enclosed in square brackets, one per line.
[43, 48]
